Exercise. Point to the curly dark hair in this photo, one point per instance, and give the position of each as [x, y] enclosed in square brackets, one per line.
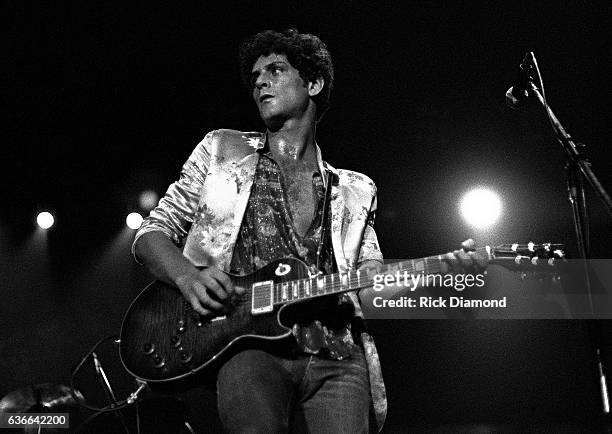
[305, 52]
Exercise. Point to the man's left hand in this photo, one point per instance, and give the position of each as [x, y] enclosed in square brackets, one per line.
[465, 260]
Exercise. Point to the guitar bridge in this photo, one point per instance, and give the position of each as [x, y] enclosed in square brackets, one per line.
[263, 297]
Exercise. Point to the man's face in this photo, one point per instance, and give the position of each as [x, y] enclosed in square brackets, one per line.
[278, 90]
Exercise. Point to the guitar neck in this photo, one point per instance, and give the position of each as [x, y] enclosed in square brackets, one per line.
[530, 257]
[354, 280]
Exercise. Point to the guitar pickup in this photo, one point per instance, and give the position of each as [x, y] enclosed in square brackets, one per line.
[263, 297]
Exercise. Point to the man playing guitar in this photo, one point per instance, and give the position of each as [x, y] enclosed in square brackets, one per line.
[246, 199]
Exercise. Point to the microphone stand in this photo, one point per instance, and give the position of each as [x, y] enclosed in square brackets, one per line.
[108, 391]
[578, 171]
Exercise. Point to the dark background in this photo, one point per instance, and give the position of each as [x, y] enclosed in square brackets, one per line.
[108, 99]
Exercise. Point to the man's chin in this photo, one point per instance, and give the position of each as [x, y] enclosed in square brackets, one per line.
[273, 123]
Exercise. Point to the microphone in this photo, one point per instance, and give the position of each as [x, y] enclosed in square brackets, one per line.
[518, 94]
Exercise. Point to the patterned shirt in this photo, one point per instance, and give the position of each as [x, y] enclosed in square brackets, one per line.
[267, 233]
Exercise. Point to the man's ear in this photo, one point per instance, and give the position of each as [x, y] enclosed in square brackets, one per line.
[315, 87]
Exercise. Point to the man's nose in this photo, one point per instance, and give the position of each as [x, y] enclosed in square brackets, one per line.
[262, 81]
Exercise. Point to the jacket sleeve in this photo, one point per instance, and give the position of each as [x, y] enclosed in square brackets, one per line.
[176, 211]
[370, 250]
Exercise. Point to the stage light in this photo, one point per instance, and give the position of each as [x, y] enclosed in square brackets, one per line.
[148, 200]
[45, 220]
[133, 220]
[481, 207]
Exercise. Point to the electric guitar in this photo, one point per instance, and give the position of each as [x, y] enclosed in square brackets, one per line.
[163, 339]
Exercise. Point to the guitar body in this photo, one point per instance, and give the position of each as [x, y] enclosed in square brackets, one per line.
[163, 339]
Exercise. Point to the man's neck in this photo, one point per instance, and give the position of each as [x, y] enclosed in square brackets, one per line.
[294, 142]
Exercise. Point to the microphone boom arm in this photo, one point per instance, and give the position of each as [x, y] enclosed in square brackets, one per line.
[575, 151]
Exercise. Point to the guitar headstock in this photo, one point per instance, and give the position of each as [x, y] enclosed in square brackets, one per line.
[528, 257]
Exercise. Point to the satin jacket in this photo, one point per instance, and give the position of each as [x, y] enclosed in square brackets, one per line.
[202, 213]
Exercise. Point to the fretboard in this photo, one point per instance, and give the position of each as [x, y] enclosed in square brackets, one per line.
[352, 280]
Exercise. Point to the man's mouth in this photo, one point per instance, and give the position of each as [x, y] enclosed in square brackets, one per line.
[265, 97]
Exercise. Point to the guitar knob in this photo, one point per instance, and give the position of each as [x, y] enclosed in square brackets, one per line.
[185, 356]
[181, 326]
[148, 348]
[159, 361]
[175, 341]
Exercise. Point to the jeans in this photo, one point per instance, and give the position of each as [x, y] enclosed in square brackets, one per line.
[263, 393]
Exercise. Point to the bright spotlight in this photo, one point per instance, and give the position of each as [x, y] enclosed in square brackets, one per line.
[133, 220]
[148, 199]
[481, 207]
[45, 220]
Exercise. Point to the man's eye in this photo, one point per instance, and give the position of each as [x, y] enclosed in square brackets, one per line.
[277, 70]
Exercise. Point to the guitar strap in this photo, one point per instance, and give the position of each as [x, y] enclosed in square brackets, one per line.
[324, 219]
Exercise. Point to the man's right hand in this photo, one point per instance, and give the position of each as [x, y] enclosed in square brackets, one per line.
[209, 291]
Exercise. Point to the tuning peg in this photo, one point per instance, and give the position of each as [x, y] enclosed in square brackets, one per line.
[547, 247]
[530, 246]
[551, 262]
[514, 247]
[559, 253]
[535, 260]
